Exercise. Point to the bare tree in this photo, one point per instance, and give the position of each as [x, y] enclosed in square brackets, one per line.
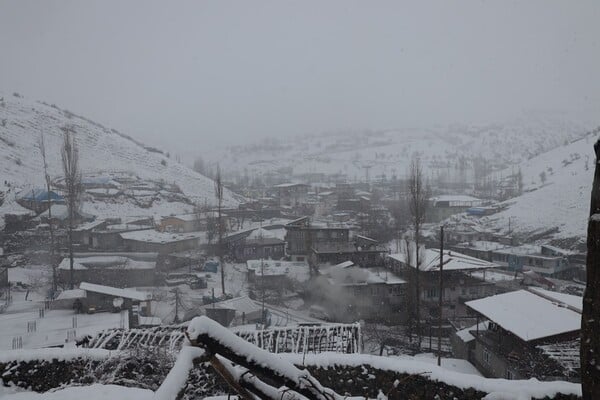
[73, 189]
[417, 202]
[42, 146]
[590, 317]
[220, 225]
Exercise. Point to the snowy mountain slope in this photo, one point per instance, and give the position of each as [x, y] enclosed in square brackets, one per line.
[389, 152]
[557, 188]
[102, 151]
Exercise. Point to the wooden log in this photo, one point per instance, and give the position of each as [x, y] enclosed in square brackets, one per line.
[301, 382]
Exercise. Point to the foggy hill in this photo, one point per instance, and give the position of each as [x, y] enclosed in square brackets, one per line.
[388, 152]
[103, 151]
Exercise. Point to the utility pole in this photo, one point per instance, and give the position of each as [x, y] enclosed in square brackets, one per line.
[262, 273]
[176, 320]
[439, 360]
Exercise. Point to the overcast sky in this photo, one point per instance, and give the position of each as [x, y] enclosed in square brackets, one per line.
[189, 74]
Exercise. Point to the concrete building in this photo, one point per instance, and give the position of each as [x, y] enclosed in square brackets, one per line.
[459, 287]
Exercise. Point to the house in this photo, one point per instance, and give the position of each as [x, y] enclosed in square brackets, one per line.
[109, 270]
[276, 275]
[150, 240]
[481, 249]
[108, 237]
[291, 194]
[361, 250]
[301, 235]
[264, 239]
[192, 259]
[107, 298]
[458, 285]
[260, 243]
[530, 334]
[239, 311]
[180, 223]
[350, 293]
[83, 233]
[544, 260]
[443, 206]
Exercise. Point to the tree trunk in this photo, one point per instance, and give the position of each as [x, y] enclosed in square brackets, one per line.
[54, 284]
[417, 288]
[71, 283]
[590, 317]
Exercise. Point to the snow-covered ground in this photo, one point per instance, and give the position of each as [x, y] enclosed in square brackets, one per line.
[92, 392]
[557, 188]
[451, 364]
[55, 328]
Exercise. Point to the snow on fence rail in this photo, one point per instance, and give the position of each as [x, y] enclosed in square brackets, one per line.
[340, 338]
[170, 337]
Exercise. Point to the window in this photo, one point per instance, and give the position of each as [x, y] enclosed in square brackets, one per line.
[431, 293]
[509, 374]
[486, 356]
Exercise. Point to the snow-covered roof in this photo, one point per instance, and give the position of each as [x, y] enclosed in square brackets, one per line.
[183, 217]
[465, 334]
[527, 315]
[298, 270]
[242, 304]
[108, 261]
[71, 294]
[455, 198]
[576, 302]
[288, 185]
[345, 274]
[484, 245]
[260, 233]
[453, 261]
[325, 194]
[152, 236]
[117, 292]
[89, 225]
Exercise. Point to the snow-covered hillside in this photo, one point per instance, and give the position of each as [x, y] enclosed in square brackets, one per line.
[389, 152]
[102, 151]
[557, 187]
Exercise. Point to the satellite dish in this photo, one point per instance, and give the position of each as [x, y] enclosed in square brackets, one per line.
[118, 302]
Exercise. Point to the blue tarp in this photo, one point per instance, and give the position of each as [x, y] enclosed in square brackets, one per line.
[41, 195]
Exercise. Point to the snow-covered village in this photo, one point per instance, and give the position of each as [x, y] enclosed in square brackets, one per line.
[299, 200]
